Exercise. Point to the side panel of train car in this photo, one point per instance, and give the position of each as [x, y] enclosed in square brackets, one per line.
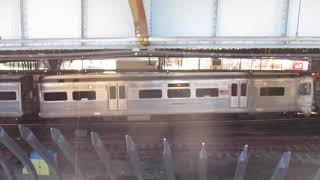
[316, 98]
[96, 96]
[16, 96]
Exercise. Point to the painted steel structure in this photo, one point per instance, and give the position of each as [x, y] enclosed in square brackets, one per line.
[96, 24]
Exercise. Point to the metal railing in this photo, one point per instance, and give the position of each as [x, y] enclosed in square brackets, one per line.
[104, 156]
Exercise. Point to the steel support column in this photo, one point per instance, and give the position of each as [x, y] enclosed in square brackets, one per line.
[140, 21]
[285, 4]
[203, 163]
[84, 18]
[23, 19]
[215, 17]
[148, 11]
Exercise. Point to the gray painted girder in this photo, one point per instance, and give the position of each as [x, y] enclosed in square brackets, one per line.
[168, 161]
[317, 175]
[67, 150]
[134, 158]
[242, 164]
[203, 163]
[282, 167]
[103, 154]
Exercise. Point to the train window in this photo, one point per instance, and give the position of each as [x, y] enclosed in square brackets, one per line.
[234, 89]
[178, 93]
[305, 89]
[150, 94]
[179, 85]
[243, 89]
[272, 91]
[5, 96]
[84, 95]
[122, 92]
[207, 92]
[55, 96]
[112, 92]
[317, 85]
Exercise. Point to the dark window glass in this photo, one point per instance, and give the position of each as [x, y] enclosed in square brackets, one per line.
[207, 92]
[55, 96]
[272, 91]
[178, 93]
[244, 89]
[305, 89]
[234, 89]
[122, 92]
[179, 85]
[112, 92]
[84, 95]
[317, 85]
[150, 94]
[8, 96]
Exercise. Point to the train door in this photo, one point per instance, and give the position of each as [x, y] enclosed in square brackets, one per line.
[305, 96]
[122, 97]
[239, 91]
[117, 97]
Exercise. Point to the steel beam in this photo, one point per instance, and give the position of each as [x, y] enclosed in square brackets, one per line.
[150, 53]
[134, 157]
[298, 20]
[140, 21]
[242, 164]
[7, 168]
[285, 5]
[215, 17]
[33, 141]
[23, 19]
[317, 175]
[84, 18]
[282, 167]
[168, 161]
[67, 150]
[18, 152]
[203, 163]
[103, 154]
[148, 12]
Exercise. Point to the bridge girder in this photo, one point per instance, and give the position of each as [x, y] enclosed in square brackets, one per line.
[185, 24]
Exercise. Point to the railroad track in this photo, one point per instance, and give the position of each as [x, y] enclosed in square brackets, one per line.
[180, 121]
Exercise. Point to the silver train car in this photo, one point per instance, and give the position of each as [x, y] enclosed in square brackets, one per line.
[137, 94]
[17, 96]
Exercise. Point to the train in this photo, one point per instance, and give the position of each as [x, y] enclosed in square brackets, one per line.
[148, 94]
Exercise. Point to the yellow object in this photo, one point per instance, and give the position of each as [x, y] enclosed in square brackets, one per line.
[41, 167]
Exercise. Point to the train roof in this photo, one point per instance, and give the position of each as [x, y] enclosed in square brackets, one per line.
[162, 75]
